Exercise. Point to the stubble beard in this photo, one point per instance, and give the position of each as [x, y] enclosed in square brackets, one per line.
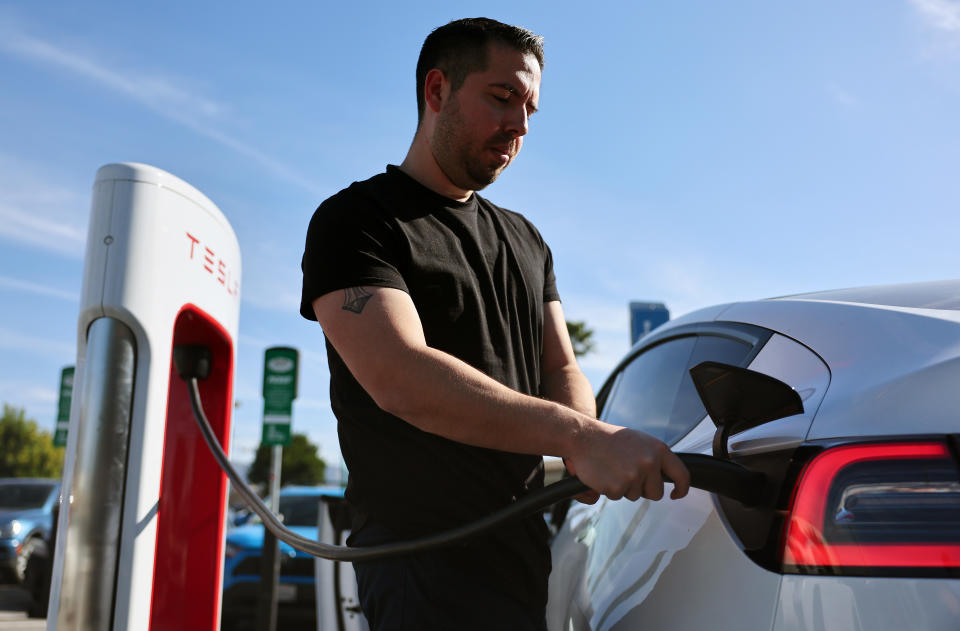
[462, 163]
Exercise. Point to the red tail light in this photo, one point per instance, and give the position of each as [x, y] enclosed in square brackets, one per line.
[882, 508]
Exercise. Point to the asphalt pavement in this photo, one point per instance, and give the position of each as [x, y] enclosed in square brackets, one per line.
[14, 603]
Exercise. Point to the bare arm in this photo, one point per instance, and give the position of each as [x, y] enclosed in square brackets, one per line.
[378, 334]
[561, 378]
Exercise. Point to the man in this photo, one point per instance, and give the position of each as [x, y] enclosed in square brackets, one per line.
[452, 372]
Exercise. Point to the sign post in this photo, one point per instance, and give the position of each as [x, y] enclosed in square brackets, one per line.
[280, 365]
[63, 409]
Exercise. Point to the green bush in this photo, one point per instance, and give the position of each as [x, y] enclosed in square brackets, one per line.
[28, 451]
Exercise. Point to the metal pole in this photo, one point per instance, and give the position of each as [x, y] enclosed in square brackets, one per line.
[95, 503]
[270, 555]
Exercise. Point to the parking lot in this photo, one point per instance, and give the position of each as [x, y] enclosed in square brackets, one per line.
[13, 611]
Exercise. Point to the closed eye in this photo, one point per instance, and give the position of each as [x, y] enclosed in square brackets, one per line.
[502, 94]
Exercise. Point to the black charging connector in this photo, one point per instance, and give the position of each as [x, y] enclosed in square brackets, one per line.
[192, 361]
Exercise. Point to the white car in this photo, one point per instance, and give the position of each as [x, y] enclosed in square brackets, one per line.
[856, 524]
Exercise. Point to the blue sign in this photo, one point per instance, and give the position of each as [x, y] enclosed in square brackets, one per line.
[645, 317]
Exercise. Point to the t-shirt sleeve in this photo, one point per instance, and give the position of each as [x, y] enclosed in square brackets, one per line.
[348, 244]
[550, 293]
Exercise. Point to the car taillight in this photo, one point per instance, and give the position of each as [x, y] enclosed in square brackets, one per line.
[876, 509]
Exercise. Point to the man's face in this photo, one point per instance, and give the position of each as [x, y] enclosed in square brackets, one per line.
[480, 128]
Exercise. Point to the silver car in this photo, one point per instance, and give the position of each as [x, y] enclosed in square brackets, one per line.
[856, 521]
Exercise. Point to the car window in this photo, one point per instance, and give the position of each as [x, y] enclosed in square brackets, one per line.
[23, 496]
[300, 510]
[655, 394]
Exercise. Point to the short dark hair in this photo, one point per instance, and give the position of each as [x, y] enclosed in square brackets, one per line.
[460, 47]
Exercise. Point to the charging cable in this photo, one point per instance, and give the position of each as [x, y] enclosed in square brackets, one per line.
[706, 472]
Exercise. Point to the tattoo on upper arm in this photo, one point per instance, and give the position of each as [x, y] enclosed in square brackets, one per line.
[355, 299]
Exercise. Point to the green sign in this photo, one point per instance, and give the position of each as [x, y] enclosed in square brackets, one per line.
[279, 391]
[63, 409]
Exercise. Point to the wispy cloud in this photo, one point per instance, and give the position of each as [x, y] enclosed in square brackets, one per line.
[161, 95]
[23, 393]
[26, 342]
[943, 15]
[29, 228]
[36, 210]
[158, 93]
[843, 97]
[40, 290]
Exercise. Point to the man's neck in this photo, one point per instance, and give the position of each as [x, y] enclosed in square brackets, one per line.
[422, 166]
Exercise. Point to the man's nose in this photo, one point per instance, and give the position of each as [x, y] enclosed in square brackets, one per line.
[517, 121]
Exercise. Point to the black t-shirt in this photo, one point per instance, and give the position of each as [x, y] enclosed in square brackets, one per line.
[478, 276]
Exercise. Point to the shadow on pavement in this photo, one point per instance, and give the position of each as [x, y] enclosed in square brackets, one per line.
[14, 605]
[13, 598]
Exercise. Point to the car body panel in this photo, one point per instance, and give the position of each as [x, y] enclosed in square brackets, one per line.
[938, 294]
[889, 365]
[617, 562]
[705, 314]
[813, 603]
[862, 370]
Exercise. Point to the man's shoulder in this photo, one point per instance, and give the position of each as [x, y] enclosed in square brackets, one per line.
[510, 217]
[359, 192]
[360, 200]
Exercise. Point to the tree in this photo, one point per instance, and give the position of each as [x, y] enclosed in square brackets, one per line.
[27, 452]
[581, 336]
[300, 464]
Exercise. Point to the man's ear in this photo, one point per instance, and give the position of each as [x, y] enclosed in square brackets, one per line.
[436, 89]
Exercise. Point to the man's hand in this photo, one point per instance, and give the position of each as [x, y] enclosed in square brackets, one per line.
[620, 462]
[588, 497]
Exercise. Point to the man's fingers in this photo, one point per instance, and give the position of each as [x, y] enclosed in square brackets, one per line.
[590, 497]
[674, 469]
[587, 497]
[653, 486]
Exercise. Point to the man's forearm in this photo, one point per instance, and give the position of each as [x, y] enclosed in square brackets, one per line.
[440, 394]
[570, 387]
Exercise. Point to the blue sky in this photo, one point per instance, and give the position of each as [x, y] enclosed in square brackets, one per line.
[691, 153]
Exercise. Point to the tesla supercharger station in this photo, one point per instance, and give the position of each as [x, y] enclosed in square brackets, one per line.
[140, 541]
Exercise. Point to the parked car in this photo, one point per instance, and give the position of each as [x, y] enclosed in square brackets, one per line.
[857, 522]
[300, 508]
[26, 521]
